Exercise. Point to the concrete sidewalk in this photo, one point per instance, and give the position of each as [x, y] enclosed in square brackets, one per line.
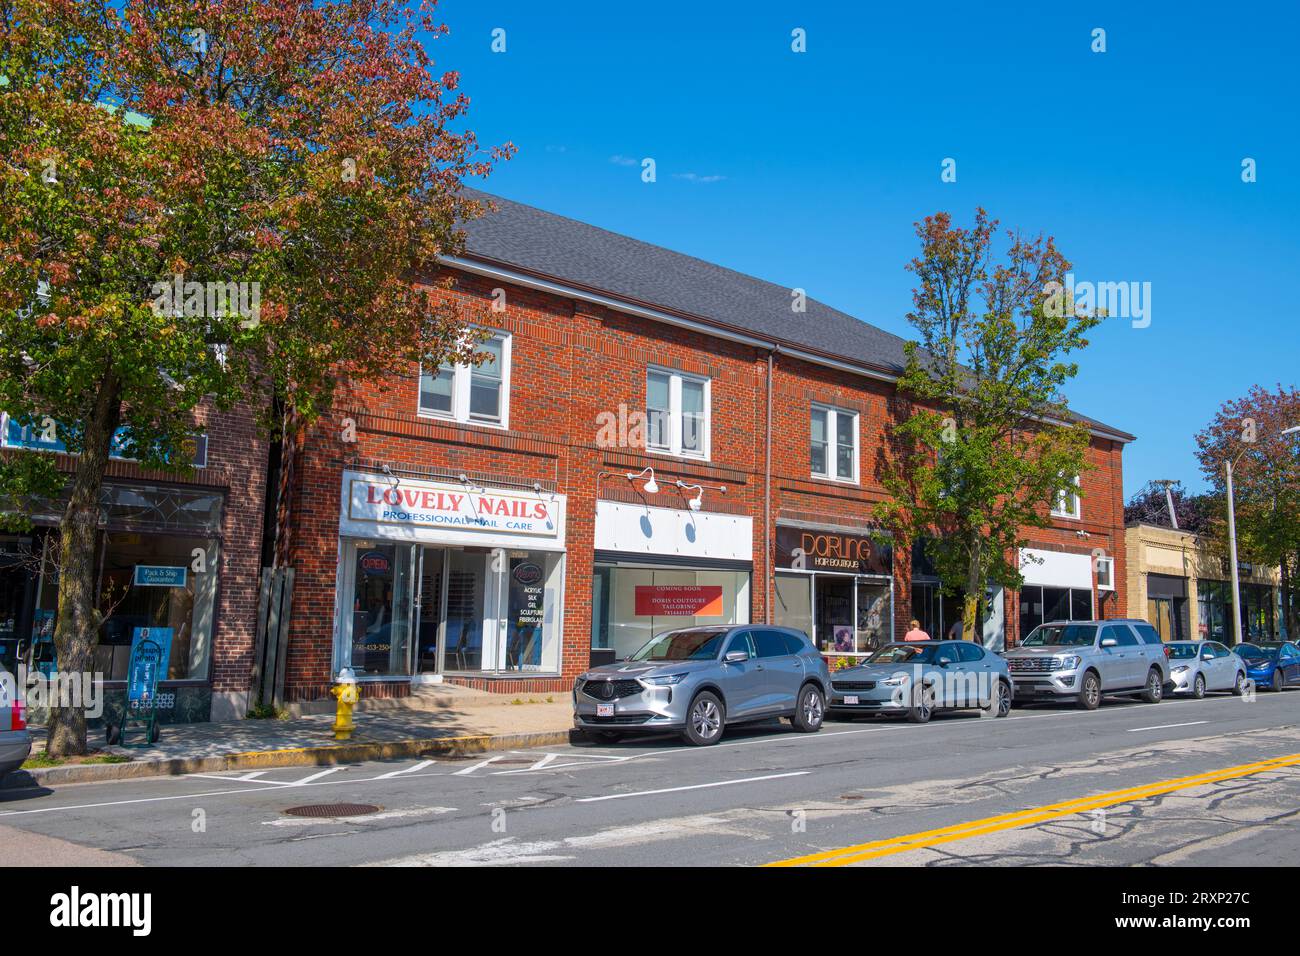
[445, 720]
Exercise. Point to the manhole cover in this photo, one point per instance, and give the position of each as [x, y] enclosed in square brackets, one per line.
[333, 810]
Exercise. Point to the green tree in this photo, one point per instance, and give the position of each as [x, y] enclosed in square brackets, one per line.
[986, 444]
[1249, 432]
[284, 165]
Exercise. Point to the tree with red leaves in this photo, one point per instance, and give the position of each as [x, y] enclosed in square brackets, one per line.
[1251, 433]
[205, 201]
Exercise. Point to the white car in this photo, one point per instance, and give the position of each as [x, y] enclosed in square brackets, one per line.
[1199, 666]
[15, 738]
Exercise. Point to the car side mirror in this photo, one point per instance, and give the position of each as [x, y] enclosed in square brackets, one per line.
[1109, 642]
[736, 657]
[944, 661]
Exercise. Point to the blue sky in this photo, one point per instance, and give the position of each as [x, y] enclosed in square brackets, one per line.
[810, 169]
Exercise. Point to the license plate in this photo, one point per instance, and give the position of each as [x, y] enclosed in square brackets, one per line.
[850, 698]
[604, 710]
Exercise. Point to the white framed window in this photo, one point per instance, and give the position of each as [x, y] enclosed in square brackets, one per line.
[1105, 574]
[478, 394]
[1067, 501]
[677, 413]
[834, 443]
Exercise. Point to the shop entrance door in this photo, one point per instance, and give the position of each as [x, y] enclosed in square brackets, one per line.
[430, 598]
[834, 604]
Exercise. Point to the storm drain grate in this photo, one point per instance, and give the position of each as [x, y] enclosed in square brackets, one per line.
[333, 810]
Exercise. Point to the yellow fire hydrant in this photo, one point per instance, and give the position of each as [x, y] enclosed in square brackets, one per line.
[347, 693]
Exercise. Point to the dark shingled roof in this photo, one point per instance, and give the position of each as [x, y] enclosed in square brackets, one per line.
[575, 253]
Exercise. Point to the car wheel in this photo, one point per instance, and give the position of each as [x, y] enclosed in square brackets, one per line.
[1000, 705]
[1090, 691]
[704, 720]
[1198, 687]
[809, 710]
[922, 708]
[1155, 690]
[1277, 684]
[1239, 687]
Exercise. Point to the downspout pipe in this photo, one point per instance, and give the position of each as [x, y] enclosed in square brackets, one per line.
[769, 541]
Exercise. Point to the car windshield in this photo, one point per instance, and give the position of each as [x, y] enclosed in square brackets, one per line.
[1181, 652]
[1259, 650]
[696, 644]
[1061, 635]
[904, 654]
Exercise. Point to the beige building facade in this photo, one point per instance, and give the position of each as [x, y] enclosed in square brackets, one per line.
[1184, 588]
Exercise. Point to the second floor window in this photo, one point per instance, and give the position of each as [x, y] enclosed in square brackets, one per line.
[1067, 501]
[834, 443]
[470, 393]
[677, 413]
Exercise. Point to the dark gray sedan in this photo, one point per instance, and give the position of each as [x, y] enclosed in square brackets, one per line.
[918, 678]
[698, 680]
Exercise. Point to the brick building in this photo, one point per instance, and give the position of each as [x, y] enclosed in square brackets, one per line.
[658, 441]
[177, 556]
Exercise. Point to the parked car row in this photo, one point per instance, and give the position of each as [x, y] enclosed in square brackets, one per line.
[697, 681]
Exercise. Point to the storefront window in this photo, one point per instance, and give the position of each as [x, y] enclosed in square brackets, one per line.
[874, 618]
[1039, 604]
[794, 602]
[1214, 611]
[468, 609]
[635, 604]
[381, 608]
[156, 567]
[163, 583]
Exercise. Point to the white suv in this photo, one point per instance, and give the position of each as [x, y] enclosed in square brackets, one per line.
[1085, 660]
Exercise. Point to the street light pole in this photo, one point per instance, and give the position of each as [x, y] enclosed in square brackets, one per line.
[1232, 557]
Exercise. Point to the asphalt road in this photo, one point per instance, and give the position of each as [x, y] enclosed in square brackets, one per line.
[1212, 782]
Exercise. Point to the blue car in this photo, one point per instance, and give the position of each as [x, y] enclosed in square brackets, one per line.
[1271, 664]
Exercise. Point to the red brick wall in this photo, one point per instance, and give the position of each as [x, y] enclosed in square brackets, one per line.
[572, 361]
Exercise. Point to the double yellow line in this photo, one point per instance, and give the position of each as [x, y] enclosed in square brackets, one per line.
[1010, 821]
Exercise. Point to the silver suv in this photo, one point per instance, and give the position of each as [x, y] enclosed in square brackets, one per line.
[698, 680]
[1085, 660]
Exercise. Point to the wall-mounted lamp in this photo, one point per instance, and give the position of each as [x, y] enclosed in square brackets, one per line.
[651, 487]
[697, 502]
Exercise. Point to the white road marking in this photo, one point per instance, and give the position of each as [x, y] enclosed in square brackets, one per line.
[397, 773]
[1190, 723]
[695, 786]
[316, 776]
[482, 763]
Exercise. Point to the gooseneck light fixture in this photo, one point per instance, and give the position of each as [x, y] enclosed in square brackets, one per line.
[698, 501]
[651, 487]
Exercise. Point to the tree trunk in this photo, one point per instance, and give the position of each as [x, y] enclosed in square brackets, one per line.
[974, 590]
[78, 620]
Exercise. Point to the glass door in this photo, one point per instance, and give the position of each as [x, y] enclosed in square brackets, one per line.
[835, 612]
[430, 598]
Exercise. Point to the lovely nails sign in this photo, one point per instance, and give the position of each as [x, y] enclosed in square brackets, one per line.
[431, 504]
